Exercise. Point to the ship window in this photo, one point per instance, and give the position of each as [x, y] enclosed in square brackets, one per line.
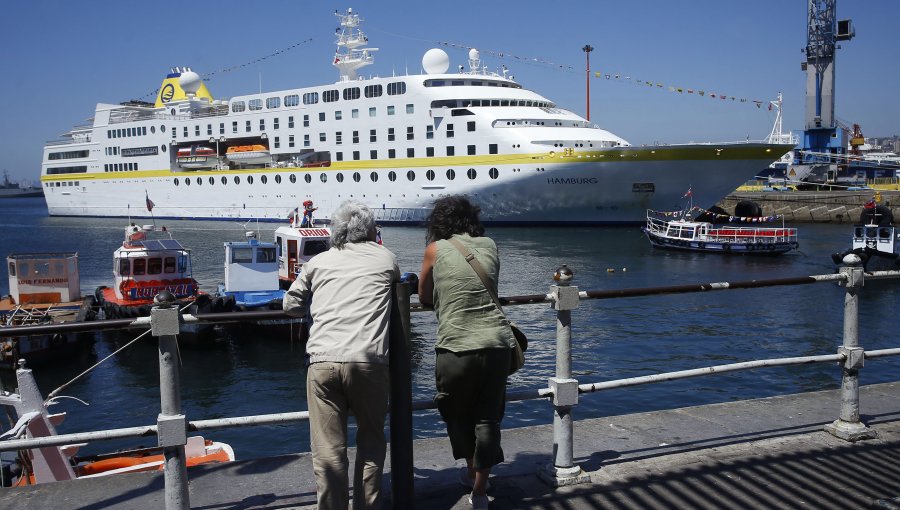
[169, 265]
[338, 138]
[292, 178]
[247, 126]
[390, 110]
[372, 111]
[397, 88]
[356, 177]
[354, 113]
[492, 148]
[339, 156]
[373, 91]
[209, 129]
[450, 131]
[355, 155]
[12, 269]
[291, 141]
[277, 142]
[241, 255]
[356, 137]
[470, 125]
[185, 131]
[372, 136]
[124, 267]
[410, 108]
[212, 180]
[275, 123]
[306, 140]
[255, 104]
[291, 120]
[451, 150]
[330, 96]
[493, 173]
[373, 154]
[471, 173]
[429, 132]
[249, 179]
[314, 247]
[323, 177]
[221, 128]
[392, 153]
[471, 149]
[409, 133]
[182, 264]
[234, 128]
[262, 124]
[392, 176]
[263, 179]
[176, 181]
[429, 152]
[390, 134]
[274, 102]
[321, 137]
[339, 176]
[373, 176]
[410, 152]
[277, 179]
[308, 98]
[351, 93]
[410, 175]
[187, 182]
[451, 174]
[307, 178]
[338, 115]
[140, 266]
[429, 175]
[224, 180]
[199, 181]
[237, 179]
[265, 254]
[154, 265]
[197, 130]
[238, 106]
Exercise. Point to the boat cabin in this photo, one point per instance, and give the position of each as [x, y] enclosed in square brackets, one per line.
[296, 246]
[144, 267]
[882, 239]
[42, 278]
[251, 265]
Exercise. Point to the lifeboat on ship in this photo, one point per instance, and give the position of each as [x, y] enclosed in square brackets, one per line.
[196, 157]
[248, 154]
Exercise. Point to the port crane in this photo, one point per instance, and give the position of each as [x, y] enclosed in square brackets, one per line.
[824, 141]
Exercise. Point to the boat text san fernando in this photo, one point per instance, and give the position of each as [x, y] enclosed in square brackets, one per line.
[395, 143]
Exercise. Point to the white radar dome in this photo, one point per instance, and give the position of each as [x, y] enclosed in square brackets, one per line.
[435, 61]
[190, 82]
[473, 54]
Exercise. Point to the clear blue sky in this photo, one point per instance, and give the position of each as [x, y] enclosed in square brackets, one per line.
[60, 58]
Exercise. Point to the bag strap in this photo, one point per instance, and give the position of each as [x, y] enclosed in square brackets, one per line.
[478, 270]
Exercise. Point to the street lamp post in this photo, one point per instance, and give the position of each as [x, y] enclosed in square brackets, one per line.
[587, 53]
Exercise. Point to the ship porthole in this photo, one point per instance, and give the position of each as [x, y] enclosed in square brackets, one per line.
[451, 174]
[374, 176]
[176, 181]
[292, 178]
[493, 173]
[392, 176]
[307, 178]
[429, 175]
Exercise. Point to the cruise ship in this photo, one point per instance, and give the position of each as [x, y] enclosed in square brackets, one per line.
[394, 143]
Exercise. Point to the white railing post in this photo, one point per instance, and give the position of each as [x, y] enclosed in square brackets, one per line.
[848, 426]
[171, 423]
[563, 470]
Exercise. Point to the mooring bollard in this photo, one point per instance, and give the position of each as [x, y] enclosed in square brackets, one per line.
[563, 470]
[171, 423]
[848, 426]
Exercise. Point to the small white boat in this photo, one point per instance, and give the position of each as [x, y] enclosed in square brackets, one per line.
[677, 231]
[875, 240]
[30, 419]
[297, 243]
[249, 154]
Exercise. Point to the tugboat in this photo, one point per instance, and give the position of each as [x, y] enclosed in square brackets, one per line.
[45, 288]
[144, 267]
[875, 239]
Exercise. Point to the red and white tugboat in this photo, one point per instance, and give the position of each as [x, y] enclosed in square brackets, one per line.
[299, 242]
[148, 262]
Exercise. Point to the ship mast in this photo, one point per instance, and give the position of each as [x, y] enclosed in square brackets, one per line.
[350, 54]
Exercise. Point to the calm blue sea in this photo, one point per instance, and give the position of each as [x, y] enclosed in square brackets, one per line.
[612, 338]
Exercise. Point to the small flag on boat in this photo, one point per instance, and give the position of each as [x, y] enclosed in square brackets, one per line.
[150, 203]
[688, 194]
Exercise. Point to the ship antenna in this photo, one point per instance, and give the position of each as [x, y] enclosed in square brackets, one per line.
[351, 53]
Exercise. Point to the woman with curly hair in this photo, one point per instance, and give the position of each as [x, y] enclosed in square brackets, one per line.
[473, 339]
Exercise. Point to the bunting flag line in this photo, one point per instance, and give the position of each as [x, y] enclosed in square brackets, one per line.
[623, 78]
[730, 218]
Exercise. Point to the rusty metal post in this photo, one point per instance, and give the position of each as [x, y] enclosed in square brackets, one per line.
[848, 426]
[171, 423]
[563, 470]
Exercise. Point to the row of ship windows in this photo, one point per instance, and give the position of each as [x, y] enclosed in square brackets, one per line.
[430, 175]
[276, 122]
[61, 184]
[471, 150]
[373, 135]
[120, 167]
[328, 96]
[129, 132]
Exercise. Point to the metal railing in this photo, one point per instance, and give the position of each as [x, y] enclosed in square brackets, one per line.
[563, 390]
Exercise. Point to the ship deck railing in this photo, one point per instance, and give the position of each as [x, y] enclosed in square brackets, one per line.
[563, 391]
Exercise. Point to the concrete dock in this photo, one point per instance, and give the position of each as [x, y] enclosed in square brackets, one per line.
[815, 206]
[762, 453]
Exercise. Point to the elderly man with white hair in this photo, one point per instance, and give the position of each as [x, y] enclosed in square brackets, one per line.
[348, 292]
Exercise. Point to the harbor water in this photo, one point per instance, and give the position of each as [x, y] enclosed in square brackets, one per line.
[612, 339]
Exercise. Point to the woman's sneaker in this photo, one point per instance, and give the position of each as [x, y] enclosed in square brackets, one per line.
[478, 502]
[467, 482]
